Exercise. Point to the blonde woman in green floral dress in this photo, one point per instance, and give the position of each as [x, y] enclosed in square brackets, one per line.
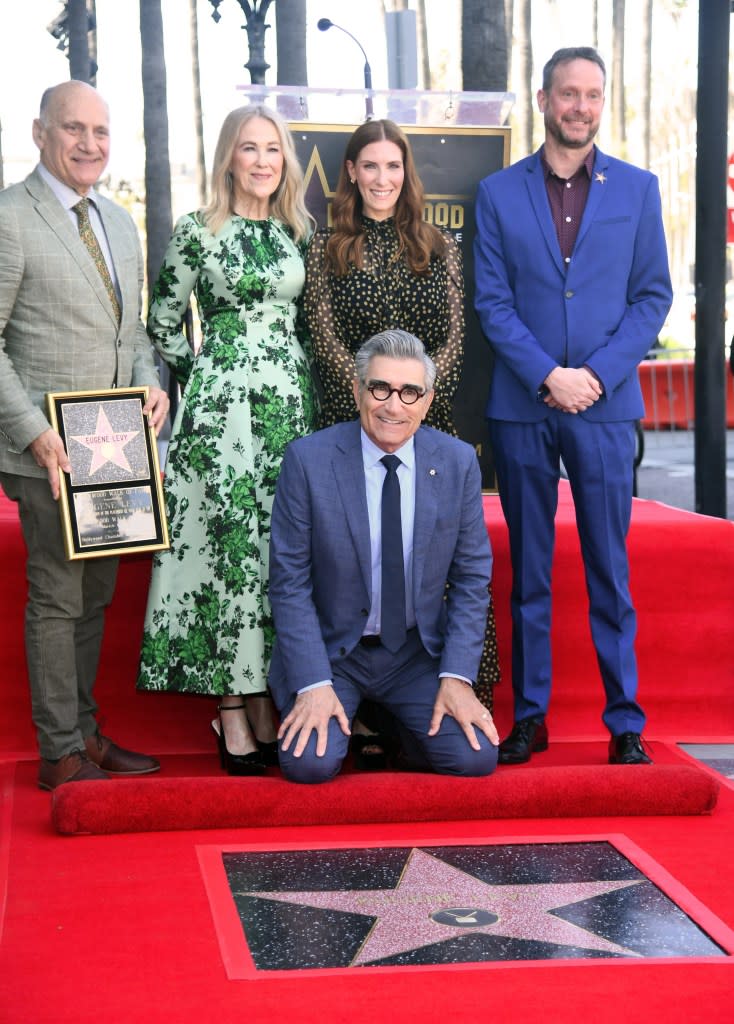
[246, 393]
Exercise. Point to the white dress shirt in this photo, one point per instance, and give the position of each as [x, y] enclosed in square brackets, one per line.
[374, 474]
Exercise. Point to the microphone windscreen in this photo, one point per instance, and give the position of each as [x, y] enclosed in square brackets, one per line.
[323, 24]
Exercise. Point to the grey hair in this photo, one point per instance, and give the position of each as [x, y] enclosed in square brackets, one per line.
[393, 344]
[565, 56]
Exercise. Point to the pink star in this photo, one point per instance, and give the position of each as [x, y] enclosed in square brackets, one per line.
[431, 888]
[106, 444]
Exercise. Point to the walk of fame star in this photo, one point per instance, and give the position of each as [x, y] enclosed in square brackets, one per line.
[106, 444]
[435, 901]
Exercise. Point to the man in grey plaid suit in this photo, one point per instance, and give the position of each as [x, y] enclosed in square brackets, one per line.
[61, 331]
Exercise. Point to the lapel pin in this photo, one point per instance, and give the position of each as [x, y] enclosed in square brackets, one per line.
[600, 176]
[431, 472]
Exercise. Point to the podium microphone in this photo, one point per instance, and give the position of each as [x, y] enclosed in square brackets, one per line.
[323, 25]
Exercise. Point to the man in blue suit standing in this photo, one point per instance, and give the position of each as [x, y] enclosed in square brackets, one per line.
[372, 519]
[572, 288]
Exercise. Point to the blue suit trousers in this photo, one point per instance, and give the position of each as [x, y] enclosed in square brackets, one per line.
[406, 683]
[598, 459]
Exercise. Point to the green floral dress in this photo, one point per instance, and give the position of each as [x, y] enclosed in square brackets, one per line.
[247, 393]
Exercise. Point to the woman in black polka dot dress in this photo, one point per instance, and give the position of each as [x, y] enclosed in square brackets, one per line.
[382, 266]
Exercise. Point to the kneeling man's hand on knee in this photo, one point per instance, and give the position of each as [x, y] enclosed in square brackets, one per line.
[312, 711]
[457, 699]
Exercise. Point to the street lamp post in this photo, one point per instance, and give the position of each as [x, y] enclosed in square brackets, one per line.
[255, 12]
[323, 25]
[75, 30]
[710, 365]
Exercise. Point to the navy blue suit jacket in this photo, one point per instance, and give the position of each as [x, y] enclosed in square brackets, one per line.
[320, 562]
[604, 310]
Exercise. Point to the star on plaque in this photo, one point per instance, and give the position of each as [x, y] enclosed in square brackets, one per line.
[601, 177]
[435, 901]
[106, 444]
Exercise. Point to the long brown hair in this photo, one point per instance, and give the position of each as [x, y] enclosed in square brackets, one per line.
[417, 240]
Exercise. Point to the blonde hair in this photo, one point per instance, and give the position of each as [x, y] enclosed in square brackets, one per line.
[287, 204]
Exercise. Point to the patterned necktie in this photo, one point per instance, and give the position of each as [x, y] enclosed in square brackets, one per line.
[89, 238]
[392, 610]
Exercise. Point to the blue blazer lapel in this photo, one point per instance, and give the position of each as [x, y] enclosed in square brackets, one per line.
[541, 206]
[349, 476]
[597, 192]
[429, 466]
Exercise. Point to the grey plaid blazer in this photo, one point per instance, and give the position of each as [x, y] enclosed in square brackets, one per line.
[58, 331]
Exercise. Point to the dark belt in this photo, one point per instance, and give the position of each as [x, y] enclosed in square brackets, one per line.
[373, 639]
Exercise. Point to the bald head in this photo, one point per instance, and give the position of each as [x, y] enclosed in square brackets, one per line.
[72, 133]
[57, 96]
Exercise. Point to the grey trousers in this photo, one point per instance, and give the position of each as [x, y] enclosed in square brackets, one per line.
[64, 620]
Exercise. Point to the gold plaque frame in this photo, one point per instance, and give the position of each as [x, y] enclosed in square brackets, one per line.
[111, 503]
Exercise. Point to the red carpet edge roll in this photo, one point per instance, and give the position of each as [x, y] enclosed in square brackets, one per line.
[145, 805]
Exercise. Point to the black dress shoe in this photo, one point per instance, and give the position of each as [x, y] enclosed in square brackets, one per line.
[528, 736]
[627, 749]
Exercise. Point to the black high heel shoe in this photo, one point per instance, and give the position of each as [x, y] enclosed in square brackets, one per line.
[268, 748]
[236, 764]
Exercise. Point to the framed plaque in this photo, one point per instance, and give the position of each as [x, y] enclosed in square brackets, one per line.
[111, 502]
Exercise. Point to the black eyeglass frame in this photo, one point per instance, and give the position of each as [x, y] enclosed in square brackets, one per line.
[384, 386]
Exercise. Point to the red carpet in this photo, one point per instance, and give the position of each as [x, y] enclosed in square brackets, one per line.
[121, 924]
[140, 805]
[682, 568]
[682, 581]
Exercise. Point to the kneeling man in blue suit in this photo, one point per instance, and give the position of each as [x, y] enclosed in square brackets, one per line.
[372, 519]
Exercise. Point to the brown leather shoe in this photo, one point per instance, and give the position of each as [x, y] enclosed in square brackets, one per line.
[116, 760]
[73, 767]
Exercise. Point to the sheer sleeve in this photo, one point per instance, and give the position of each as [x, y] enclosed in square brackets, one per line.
[170, 298]
[334, 361]
[449, 356]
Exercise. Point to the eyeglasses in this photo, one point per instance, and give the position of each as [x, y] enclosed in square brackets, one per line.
[408, 394]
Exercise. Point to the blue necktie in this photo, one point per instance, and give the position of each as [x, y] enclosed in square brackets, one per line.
[392, 610]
